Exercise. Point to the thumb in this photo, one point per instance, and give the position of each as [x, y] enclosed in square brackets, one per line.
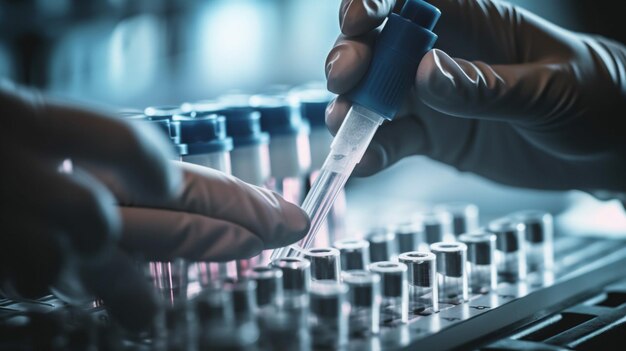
[524, 93]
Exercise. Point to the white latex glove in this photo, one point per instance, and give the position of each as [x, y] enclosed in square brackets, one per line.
[508, 96]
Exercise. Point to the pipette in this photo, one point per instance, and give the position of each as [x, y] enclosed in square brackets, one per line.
[402, 43]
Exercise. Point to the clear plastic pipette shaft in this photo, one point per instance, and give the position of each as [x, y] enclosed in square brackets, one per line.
[346, 151]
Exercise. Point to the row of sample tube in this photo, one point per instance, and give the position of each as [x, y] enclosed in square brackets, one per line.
[276, 141]
[358, 287]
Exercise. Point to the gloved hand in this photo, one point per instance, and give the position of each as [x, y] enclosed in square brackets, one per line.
[507, 95]
[216, 218]
[121, 187]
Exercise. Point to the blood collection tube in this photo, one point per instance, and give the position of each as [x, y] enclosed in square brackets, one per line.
[436, 227]
[314, 98]
[395, 299]
[364, 296]
[382, 245]
[464, 216]
[481, 263]
[422, 282]
[330, 311]
[510, 250]
[539, 239]
[208, 146]
[354, 253]
[451, 275]
[290, 154]
[269, 285]
[325, 263]
[407, 236]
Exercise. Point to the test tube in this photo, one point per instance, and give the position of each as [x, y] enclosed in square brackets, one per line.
[382, 245]
[324, 263]
[451, 274]
[290, 152]
[510, 250]
[208, 146]
[314, 98]
[436, 227]
[269, 285]
[365, 298]
[464, 216]
[407, 236]
[539, 239]
[481, 264]
[250, 158]
[395, 299]
[354, 253]
[329, 314]
[422, 282]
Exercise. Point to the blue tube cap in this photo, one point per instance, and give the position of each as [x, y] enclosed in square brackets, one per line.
[402, 43]
[243, 124]
[204, 133]
[280, 114]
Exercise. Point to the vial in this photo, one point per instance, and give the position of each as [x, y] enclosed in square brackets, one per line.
[245, 309]
[422, 282]
[464, 216]
[451, 274]
[170, 279]
[216, 317]
[296, 278]
[287, 328]
[510, 249]
[436, 228]
[269, 285]
[382, 245]
[324, 263]
[329, 314]
[364, 296]
[395, 299]
[481, 263]
[407, 236]
[539, 239]
[354, 253]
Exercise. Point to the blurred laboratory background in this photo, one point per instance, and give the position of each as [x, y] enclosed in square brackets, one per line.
[138, 53]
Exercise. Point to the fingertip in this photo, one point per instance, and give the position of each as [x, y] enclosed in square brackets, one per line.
[357, 17]
[373, 161]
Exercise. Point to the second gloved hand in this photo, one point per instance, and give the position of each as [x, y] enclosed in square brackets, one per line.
[216, 217]
[508, 96]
